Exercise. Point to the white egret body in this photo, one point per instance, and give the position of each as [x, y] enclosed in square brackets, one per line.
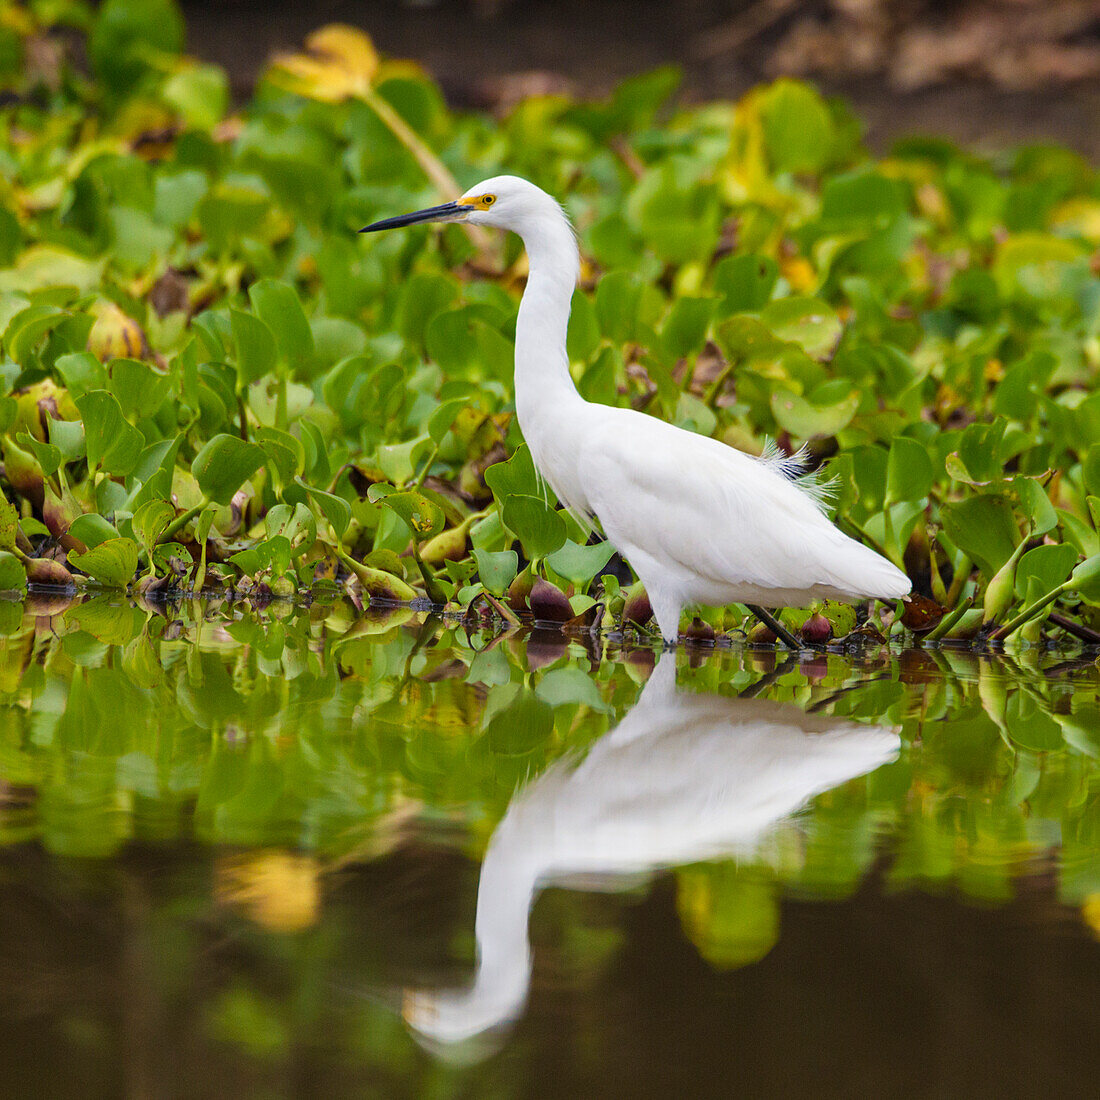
[699, 522]
[682, 778]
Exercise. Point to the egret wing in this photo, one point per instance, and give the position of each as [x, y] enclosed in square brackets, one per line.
[692, 503]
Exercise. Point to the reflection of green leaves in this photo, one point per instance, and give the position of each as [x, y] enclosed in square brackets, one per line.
[1030, 726]
[107, 619]
[522, 726]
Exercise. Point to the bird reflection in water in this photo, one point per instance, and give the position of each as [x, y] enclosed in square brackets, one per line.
[684, 777]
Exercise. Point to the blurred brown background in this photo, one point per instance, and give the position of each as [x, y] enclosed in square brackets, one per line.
[989, 73]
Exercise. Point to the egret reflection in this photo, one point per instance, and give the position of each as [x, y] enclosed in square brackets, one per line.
[684, 777]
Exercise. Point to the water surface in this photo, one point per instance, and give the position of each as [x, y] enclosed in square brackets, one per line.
[297, 852]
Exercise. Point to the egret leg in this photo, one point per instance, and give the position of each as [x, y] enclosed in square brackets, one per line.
[776, 627]
[769, 678]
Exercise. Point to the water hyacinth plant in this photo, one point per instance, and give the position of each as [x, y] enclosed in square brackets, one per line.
[208, 381]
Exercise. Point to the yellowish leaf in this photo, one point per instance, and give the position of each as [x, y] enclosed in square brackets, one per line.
[275, 888]
[340, 64]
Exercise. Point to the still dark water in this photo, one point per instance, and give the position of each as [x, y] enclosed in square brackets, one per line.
[300, 852]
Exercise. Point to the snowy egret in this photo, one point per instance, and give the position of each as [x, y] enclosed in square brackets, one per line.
[700, 522]
[684, 777]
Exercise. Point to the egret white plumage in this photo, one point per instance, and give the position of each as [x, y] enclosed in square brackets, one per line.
[699, 522]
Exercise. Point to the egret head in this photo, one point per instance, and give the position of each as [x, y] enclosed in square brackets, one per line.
[459, 1027]
[504, 202]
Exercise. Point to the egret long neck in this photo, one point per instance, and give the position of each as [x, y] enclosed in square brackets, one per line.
[546, 398]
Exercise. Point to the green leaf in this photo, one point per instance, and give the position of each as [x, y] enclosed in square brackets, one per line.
[1085, 579]
[277, 305]
[335, 509]
[230, 211]
[285, 455]
[127, 33]
[141, 389]
[111, 563]
[92, 529]
[48, 454]
[515, 477]
[9, 524]
[256, 351]
[1037, 265]
[909, 470]
[112, 443]
[809, 322]
[798, 129]
[424, 296]
[978, 459]
[200, 93]
[618, 304]
[424, 517]
[439, 423]
[1050, 565]
[224, 465]
[28, 327]
[745, 282]
[68, 437]
[806, 420]
[579, 564]
[686, 328]
[13, 577]
[584, 329]
[984, 528]
[497, 570]
[1033, 502]
[151, 520]
[398, 461]
[537, 526]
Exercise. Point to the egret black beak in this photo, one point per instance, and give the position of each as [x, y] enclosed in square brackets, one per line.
[448, 212]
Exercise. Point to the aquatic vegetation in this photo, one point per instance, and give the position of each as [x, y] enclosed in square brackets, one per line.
[209, 382]
[336, 733]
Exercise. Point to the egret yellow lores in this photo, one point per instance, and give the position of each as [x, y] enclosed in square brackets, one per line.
[699, 522]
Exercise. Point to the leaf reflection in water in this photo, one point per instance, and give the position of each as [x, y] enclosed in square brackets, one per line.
[684, 777]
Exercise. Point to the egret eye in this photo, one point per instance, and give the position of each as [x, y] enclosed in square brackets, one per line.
[488, 200]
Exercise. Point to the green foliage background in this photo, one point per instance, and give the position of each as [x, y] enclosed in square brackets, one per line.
[208, 379]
